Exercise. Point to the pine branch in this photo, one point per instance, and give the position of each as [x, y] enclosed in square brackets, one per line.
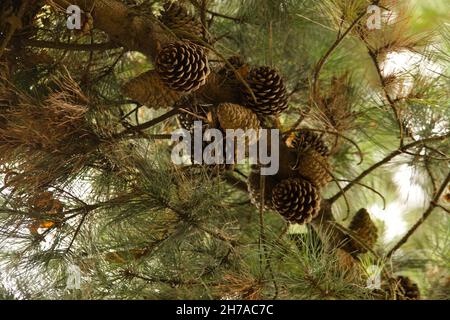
[70, 46]
[172, 282]
[370, 188]
[425, 215]
[323, 60]
[392, 103]
[148, 124]
[385, 160]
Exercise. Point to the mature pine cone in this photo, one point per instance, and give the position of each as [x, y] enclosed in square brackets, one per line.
[365, 229]
[184, 25]
[407, 289]
[234, 116]
[297, 200]
[305, 140]
[149, 90]
[269, 90]
[183, 66]
[311, 157]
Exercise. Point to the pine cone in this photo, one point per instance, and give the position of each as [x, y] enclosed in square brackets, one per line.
[297, 200]
[269, 90]
[238, 65]
[311, 157]
[149, 90]
[180, 22]
[365, 229]
[305, 140]
[313, 167]
[407, 289]
[234, 116]
[183, 66]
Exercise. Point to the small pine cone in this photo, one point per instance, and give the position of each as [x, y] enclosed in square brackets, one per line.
[269, 90]
[254, 188]
[407, 289]
[183, 66]
[365, 229]
[305, 140]
[297, 200]
[149, 90]
[234, 116]
[180, 22]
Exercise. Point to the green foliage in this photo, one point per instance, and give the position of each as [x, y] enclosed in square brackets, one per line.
[139, 227]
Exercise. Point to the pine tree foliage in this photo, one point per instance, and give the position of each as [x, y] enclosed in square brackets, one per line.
[87, 181]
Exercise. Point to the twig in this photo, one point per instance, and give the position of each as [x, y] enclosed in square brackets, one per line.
[148, 124]
[218, 235]
[324, 166]
[70, 46]
[385, 160]
[172, 282]
[425, 215]
[371, 189]
[262, 238]
[261, 241]
[360, 153]
[77, 231]
[323, 60]
[392, 104]
[442, 207]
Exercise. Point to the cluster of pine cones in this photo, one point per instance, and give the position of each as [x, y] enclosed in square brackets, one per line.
[254, 96]
[260, 93]
[183, 67]
[304, 169]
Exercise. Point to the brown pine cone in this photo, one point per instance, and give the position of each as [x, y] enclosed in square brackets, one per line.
[180, 22]
[407, 289]
[183, 66]
[149, 90]
[297, 200]
[313, 167]
[234, 116]
[311, 157]
[305, 140]
[269, 90]
[365, 229]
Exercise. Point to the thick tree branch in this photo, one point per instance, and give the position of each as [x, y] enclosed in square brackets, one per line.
[124, 25]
